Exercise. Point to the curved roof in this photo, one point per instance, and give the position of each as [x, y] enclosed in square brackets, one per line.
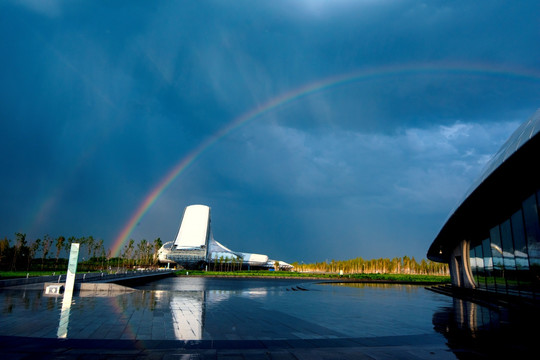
[506, 179]
[523, 133]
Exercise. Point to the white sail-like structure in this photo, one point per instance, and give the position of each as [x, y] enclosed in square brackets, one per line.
[194, 230]
[195, 246]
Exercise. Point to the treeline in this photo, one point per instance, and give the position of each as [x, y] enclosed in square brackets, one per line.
[398, 265]
[143, 253]
[51, 254]
[48, 253]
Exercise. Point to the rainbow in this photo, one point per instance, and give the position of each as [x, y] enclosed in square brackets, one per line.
[302, 92]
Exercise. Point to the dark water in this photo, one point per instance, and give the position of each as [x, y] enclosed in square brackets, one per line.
[189, 308]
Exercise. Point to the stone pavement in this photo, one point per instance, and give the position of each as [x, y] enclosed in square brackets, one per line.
[393, 347]
[209, 319]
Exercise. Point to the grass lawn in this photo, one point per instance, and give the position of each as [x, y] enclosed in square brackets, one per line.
[291, 274]
[20, 274]
[402, 278]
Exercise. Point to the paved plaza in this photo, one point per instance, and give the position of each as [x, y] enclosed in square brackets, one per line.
[405, 347]
[184, 318]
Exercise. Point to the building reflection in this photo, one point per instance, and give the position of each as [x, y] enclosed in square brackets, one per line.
[188, 308]
[486, 330]
[63, 323]
[188, 313]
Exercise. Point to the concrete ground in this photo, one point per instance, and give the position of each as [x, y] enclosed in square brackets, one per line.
[394, 347]
[195, 319]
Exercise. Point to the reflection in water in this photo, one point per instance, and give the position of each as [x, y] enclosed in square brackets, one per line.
[486, 330]
[221, 309]
[218, 309]
[187, 310]
[64, 315]
[188, 300]
[402, 287]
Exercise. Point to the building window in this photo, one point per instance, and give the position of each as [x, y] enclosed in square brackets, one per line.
[488, 265]
[521, 254]
[508, 261]
[474, 262]
[475, 255]
[497, 256]
[532, 235]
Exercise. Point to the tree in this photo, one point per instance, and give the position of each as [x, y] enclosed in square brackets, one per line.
[33, 249]
[276, 265]
[101, 251]
[90, 247]
[141, 250]
[157, 245]
[82, 243]
[59, 246]
[46, 246]
[20, 243]
[68, 243]
[4, 250]
[109, 254]
[128, 250]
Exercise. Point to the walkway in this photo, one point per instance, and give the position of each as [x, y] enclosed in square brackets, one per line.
[121, 277]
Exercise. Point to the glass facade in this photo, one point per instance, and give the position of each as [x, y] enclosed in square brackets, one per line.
[508, 261]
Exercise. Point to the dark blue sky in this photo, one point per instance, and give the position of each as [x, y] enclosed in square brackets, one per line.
[99, 100]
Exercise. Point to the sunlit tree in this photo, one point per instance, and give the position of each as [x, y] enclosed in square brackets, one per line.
[157, 245]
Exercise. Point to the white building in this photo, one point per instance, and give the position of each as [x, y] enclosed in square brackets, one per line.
[195, 246]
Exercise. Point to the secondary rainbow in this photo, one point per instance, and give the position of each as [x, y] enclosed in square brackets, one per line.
[301, 92]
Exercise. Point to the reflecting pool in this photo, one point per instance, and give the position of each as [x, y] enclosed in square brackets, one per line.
[197, 308]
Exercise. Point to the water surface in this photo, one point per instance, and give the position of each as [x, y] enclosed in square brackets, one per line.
[196, 308]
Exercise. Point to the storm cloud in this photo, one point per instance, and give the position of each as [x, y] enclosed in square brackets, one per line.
[100, 100]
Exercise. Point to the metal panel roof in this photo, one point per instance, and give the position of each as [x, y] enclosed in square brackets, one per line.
[523, 133]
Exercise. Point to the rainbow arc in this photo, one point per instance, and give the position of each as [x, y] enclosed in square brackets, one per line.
[297, 94]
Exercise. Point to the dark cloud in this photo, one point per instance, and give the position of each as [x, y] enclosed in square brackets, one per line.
[98, 101]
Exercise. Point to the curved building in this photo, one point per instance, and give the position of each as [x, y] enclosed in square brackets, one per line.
[195, 246]
[491, 241]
